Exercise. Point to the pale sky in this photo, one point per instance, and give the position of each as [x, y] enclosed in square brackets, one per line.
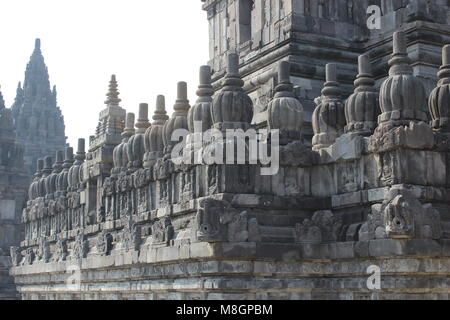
[150, 45]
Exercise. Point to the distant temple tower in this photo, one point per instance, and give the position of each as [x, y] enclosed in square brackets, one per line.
[39, 122]
[310, 33]
[13, 191]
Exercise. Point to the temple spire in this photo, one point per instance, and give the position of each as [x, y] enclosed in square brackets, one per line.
[113, 93]
[39, 122]
[18, 101]
[37, 45]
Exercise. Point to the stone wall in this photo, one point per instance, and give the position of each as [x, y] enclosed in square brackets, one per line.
[311, 33]
[135, 218]
[362, 196]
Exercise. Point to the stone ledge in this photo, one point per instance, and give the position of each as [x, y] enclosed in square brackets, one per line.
[419, 277]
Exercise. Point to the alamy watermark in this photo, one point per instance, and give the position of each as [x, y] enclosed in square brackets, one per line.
[73, 282]
[374, 20]
[374, 280]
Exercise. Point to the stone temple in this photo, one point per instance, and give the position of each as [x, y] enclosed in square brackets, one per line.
[359, 207]
[38, 119]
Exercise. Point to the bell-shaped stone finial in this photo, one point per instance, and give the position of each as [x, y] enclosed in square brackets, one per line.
[120, 156]
[362, 107]
[182, 106]
[285, 112]
[48, 166]
[200, 114]
[62, 182]
[52, 180]
[58, 165]
[154, 145]
[129, 126]
[81, 151]
[160, 111]
[113, 93]
[329, 116]
[232, 108]
[136, 144]
[179, 117]
[75, 175]
[142, 123]
[46, 171]
[33, 190]
[446, 56]
[233, 65]
[40, 167]
[68, 158]
[439, 101]
[402, 95]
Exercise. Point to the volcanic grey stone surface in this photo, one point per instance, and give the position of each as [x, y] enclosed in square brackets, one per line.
[360, 211]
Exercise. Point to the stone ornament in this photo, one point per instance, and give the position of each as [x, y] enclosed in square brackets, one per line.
[178, 119]
[120, 155]
[402, 95]
[201, 111]
[362, 107]
[62, 182]
[33, 192]
[51, 182]
[328, 118]
[135, 145]
[232, 108]
[154, 144]
[439, 101]
[218, 221]
[75, 174]
[285, 112]
[402, 216]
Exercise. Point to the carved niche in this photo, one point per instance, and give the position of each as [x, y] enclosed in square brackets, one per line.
[141, 180]
[29, 256]
[104, 243]
[43, 250]
[61, 251]
[162, 231]
[109, 191]
[131, 235]
[81, 246]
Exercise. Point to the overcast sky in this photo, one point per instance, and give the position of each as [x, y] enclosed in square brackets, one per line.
[149, 45]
